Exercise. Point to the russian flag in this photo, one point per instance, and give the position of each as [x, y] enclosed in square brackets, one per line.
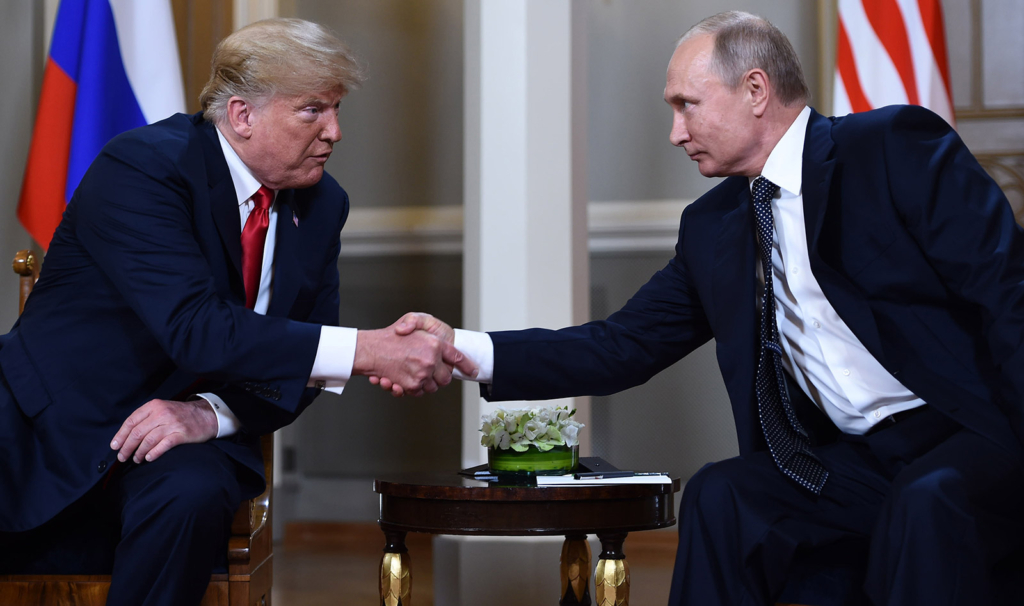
[113, 66]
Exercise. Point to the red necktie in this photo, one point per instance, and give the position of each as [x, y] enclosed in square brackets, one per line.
[254, 235]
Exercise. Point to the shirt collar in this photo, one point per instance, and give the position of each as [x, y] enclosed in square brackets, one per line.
[784, 166]
[246, 185]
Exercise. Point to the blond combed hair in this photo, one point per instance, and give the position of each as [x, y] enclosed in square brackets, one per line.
[278, 57]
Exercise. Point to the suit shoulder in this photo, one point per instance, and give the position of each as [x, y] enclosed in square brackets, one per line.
[170, 135]
[876, 125]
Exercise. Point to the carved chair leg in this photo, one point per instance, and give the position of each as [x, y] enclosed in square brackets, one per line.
[575, 571]
[395, 571]
[611, 579]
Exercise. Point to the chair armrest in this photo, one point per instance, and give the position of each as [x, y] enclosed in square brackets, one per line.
[251, 530]
[26, 266]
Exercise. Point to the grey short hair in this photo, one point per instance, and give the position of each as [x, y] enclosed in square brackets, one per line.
[277, 56]
[744, 42]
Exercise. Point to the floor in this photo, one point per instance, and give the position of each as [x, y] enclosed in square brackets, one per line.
[329, 563]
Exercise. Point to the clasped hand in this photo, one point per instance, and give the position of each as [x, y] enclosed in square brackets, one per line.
[413, 356]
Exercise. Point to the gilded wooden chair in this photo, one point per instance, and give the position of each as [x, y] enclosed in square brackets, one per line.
[250, 548]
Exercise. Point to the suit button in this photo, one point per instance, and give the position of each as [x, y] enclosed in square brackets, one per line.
[101, 467]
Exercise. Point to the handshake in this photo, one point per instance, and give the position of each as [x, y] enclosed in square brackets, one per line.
[413, 356]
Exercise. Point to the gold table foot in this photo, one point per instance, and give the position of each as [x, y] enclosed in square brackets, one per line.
[611, 579]
[395, 572]
[575, 571]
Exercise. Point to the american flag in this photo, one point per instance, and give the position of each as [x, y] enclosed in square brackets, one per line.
[890, 52]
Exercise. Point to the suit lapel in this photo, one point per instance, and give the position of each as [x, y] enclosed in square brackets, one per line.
[818, 172]
[286, 258]
[734, 290]
[223, 199]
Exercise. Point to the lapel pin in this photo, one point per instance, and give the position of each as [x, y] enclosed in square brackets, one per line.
[295, 219]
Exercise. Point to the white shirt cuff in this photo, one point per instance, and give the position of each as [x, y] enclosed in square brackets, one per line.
[476, 346]
[335, 356]
[227, 422]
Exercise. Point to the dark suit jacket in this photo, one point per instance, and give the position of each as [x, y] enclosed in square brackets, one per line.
[912, 243]
[140, 295]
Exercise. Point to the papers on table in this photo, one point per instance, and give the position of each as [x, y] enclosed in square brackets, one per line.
[593, 471]
[571, 480]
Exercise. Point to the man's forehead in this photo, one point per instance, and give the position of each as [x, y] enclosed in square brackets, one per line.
[323, 97]
[692, 54]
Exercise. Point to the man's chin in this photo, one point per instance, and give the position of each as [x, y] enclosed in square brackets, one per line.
[707, 169]
[309, 179]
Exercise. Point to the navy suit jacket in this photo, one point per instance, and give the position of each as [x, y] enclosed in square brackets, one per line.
[140, 296]
[912, 243]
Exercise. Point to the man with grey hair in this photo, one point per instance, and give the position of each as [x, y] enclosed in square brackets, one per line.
[863, 279]
[188, 304]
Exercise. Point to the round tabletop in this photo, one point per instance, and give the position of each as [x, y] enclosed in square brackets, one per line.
[448, 503]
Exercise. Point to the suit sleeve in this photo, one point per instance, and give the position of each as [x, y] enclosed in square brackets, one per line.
[660, 324]
[257, 415]
[134, 219]
[963, 222]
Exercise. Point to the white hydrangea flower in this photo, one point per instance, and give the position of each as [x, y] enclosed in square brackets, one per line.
[541, 427]
[570, 433]
[532, 429]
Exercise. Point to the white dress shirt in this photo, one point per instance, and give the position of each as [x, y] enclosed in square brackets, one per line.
[335, 354]
[828, 362]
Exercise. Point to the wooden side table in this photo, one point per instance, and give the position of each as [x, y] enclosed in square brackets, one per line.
[452, 504]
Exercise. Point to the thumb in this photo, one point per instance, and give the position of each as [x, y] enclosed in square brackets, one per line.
[410, 323]
[454, 357]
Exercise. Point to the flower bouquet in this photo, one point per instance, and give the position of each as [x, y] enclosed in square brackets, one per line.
[531, 441]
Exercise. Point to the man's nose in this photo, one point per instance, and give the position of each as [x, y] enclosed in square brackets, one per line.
[332, 132]
[679, 134]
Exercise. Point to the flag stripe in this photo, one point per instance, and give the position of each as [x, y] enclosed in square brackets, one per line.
[105, 105]
[68, 33]
[887, 21]
[848, 72]
[931, 18]
[42, 202]
[879, 79]
[152, 65]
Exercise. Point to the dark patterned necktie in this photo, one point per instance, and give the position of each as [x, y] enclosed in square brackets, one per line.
[786, 438]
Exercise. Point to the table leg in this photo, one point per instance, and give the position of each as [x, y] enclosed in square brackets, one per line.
[575, 571]
[395, 571]
[611, 579]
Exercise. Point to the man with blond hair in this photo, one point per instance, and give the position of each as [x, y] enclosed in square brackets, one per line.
[188, 304]
[863, 279]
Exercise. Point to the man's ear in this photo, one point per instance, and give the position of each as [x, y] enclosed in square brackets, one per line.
[240, 116]
[755, 83]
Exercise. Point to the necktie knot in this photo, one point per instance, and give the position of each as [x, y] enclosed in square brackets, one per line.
[263, 198]
[763, 190]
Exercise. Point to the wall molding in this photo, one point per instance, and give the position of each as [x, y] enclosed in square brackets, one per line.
[613, 226]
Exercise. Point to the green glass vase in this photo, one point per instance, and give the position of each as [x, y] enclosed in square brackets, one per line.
[560, 460]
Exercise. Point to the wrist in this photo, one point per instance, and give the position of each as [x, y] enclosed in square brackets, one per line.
[209, 418]
[365, 359]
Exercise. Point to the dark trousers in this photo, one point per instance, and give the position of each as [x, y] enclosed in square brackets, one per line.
[919, 512]
[159, 528]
